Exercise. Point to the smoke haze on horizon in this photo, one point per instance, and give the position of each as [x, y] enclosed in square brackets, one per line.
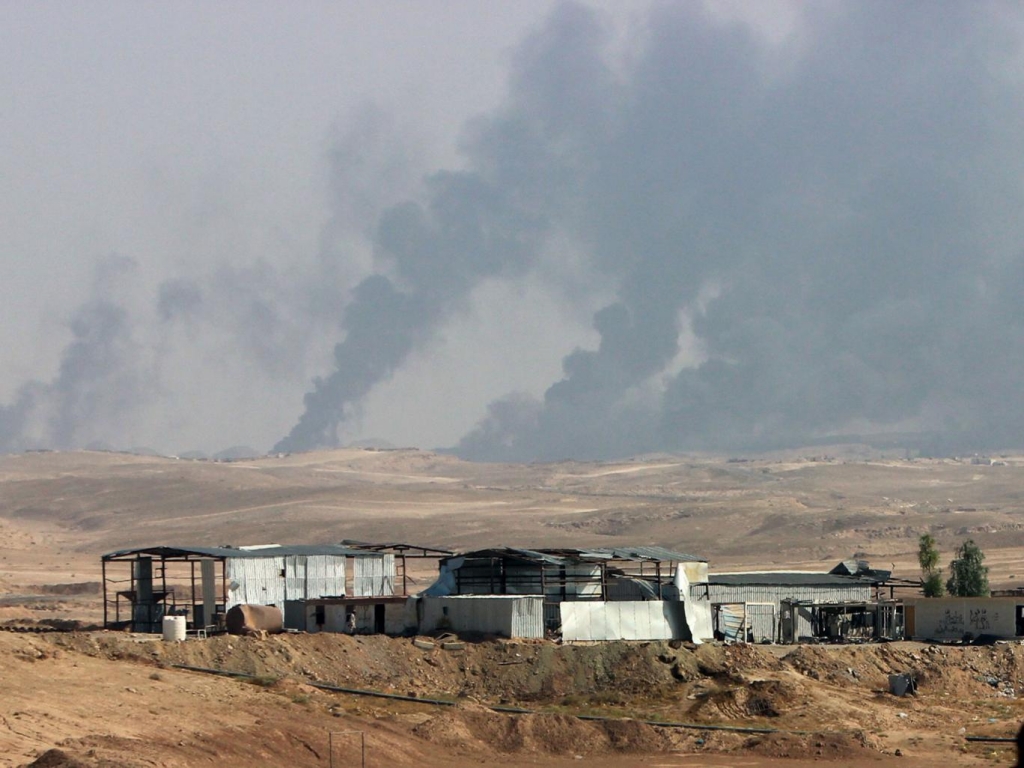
[676, 227]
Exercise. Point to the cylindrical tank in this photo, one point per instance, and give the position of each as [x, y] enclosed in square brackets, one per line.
[174, 628]
[253, 619]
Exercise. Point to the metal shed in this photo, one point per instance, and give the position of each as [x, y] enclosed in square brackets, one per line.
[163, 580]
[568, 575]
[748, 606]
[565, 574]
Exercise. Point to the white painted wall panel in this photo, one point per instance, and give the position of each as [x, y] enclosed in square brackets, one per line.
[255, 581]
[373, 576]
[489, 615]
[644, 620]
[950, 618]
[698, 619]
[325, 576]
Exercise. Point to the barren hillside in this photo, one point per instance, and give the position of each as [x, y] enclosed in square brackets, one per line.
[59, 512]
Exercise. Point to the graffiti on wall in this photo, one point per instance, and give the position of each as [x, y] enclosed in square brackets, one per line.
[951, 623]
[979, 619]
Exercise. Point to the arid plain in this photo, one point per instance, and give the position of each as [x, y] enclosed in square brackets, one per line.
[102, 701]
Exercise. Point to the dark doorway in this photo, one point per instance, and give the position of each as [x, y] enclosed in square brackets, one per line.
[378, 619]
[1020, 620]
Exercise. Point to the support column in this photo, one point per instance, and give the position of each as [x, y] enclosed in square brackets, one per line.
[103, 566]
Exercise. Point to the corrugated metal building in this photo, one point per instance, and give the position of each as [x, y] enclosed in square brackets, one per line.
[598, 577]
[163, 580]
[750, 605]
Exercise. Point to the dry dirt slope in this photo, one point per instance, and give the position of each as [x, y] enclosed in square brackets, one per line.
[111, 699]
[59, 511]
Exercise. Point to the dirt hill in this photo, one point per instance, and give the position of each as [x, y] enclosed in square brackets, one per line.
[116, 699]
[104, 699]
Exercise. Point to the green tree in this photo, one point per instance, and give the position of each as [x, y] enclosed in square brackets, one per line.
[932, 585]
[968, 577]
[931, 574]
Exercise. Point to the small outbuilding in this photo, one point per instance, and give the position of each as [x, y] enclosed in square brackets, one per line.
[792, 606]
[202, 583]
[605, 593]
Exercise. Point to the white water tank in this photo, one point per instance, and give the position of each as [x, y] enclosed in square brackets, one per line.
[174, 628]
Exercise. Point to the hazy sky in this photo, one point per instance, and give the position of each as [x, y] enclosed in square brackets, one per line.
[530, 229]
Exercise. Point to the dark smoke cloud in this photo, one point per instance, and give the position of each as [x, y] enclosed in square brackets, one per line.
[470, 230]
[97, 382]
[854, 213]
[848, 205]
[832, 223]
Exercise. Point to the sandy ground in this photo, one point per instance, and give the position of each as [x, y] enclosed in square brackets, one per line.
[115, 699]
[60, 511]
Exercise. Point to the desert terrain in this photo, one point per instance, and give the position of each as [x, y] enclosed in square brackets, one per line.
[89, 698]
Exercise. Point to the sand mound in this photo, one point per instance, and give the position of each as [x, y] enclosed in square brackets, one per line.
[55, 758]
[755, 698]
[831, 746]
[473, 725]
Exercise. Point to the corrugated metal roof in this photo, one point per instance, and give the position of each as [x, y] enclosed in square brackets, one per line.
[783, 579]
[862, 570]
[397, 546]
[651, 553]
[229, 552]
[567, 555]
[526, 555]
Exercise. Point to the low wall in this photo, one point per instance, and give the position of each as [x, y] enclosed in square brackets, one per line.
[504, 615]
[399, 618]
[950, 618]
[624, 620]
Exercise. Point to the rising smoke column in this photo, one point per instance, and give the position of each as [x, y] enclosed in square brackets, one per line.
[485, 222]
[97, 381]
[850, 203]
[468, 233]
[845, 202]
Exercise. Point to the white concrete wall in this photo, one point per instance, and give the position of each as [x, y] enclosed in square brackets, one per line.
[950, 618]
[621, 620]
[505, 615]
[399, 618]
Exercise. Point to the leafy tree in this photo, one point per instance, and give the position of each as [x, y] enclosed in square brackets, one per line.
[967, 576]
[931, 574]
[932, 584]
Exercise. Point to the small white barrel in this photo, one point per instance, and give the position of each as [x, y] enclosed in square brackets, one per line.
[174, 628]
